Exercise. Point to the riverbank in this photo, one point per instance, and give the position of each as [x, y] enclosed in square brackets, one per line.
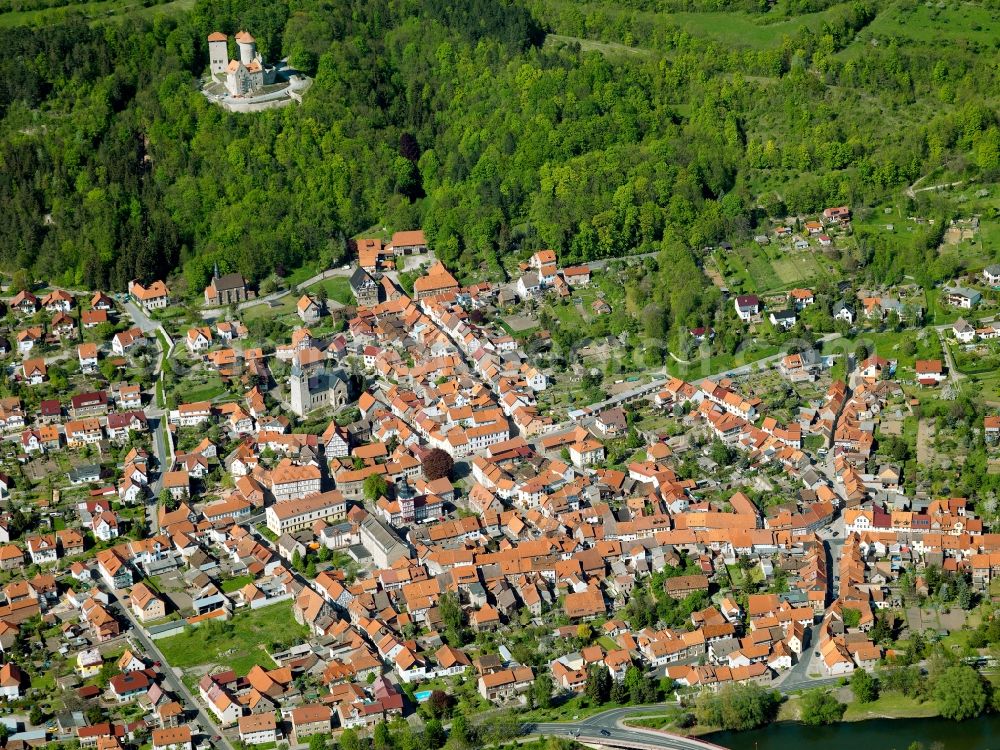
[891, 706]
[884, 734]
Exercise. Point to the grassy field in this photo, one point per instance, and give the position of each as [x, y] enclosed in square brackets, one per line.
[572, 315]
[702, 368]
[737, 576]
[748, 30]
[285, 306]
[933, 24]
[814, 442]
[238, 644]
[729, 28]
[235, 584]
[989, 388]
[522, 333]
[891, 705]
[608, 643]
[770, 268]
[608, 49]
[654, 722]
[796, 267]
[893, 345]
[203, 391]
[338, 288]
[986, 243]
[302, 273]
[760, 270]
[95, 11]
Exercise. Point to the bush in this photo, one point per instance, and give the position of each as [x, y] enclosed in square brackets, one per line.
[820, 707]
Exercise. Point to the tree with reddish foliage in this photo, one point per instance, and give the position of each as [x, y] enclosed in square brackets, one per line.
[408, 147]
[438, 464]
[439, 704]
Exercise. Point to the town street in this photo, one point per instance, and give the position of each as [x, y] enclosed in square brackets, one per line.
[170, 677]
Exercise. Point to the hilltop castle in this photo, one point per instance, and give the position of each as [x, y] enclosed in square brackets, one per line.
[247, 83]
[245, 76]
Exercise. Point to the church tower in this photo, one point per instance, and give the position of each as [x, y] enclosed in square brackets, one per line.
[299, 387]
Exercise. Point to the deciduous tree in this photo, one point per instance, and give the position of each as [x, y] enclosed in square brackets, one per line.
[819, 706]
[961, 692]
[437, 464]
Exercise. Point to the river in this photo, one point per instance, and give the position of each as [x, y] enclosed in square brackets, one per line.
[878, 734]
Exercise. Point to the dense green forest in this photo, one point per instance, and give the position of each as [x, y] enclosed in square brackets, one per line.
[458, 116]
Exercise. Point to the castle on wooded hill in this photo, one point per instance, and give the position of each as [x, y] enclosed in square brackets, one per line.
[244, 76]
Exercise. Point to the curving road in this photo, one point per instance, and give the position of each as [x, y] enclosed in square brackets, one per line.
[607, 728]
[603, 729]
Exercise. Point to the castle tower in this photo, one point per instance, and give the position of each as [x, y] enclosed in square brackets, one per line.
[248, 47]
[299, 389]
[218, 52]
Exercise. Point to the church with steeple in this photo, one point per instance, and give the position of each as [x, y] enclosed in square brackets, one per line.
[313, 388]
[226, 290]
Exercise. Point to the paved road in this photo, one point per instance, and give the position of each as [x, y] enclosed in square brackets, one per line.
[608, 727]
[216, 312]
[801, 680]
[597, 265]
[154, 413]
[614, 736]
[647, 390]
[141, 318]
[163, 461]
[953, 373]
[172, 681]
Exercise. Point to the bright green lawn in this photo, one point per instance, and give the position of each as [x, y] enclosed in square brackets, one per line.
[285, 306]
[796, 267]
[203, 391]
[703, 368]
[770, 268]
[760, 31]
[890, 705]
[239, 644]
[235, 584]
[935, 24]
[759, 270]
[890, 345]
[299, 275]
[989, 387]
[338, 288]
[568, 312]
